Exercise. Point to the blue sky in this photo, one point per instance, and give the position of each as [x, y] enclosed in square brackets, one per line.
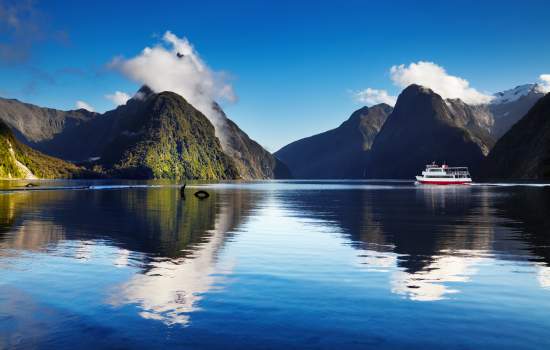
[293, 65]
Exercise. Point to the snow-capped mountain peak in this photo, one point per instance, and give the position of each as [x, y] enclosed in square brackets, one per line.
[517, 92]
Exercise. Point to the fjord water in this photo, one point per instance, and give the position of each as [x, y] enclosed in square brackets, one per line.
[276, 265]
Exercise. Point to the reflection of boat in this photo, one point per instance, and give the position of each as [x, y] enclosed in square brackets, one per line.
[444, 175]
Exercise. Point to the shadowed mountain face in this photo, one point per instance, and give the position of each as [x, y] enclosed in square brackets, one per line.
[524, 151]
[338, 153]
[424, 128]
[251, 159]
[155, 222]
[19, 161]
[48, 130]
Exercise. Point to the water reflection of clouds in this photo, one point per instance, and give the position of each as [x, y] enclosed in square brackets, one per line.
[122, 259]
[440, 278]
[543, 276]
[428, 284]
[378, 261]
[431, 283]
[170, 289]
[84, 250]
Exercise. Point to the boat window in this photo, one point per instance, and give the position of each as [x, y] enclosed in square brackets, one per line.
[439, 176]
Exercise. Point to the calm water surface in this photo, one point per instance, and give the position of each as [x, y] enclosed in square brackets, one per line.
[276, 265]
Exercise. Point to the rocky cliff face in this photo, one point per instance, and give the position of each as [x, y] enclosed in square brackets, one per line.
[524, 151]
[338, 153]
[423, 128]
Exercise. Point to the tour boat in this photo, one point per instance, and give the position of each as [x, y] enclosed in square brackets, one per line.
[444, 175]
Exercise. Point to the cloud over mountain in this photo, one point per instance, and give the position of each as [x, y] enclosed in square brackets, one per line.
[174, 65]
[118, 98]
[430, 75]
[545, 79]
[83, 105]
[436, 78]
[371, 97]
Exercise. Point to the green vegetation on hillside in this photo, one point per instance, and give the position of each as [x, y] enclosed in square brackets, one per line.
[164, 137]
[15, 156]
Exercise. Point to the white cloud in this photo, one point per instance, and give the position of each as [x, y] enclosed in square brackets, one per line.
[174, 65]
[118, 98]
[545, 79]
[371, 97]
[435, 77]
[83, 105]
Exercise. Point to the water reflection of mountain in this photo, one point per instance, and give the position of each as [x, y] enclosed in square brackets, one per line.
[527, 209]
[377, 219]
[170, 289]
[179, 240]
[153, 221]
[434, 236]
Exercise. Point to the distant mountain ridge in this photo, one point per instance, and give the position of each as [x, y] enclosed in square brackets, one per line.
[473, 128]
[339, 153]
[160, 135]
[46, 129]
[116, 142]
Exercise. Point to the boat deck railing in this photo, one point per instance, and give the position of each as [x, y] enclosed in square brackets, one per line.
[455, 171]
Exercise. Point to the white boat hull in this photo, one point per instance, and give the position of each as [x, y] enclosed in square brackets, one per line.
[443, 181]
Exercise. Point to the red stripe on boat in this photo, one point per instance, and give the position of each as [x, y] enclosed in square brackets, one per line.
[444, 182]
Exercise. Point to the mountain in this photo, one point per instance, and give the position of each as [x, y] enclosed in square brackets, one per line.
[524, 151]
[474, 118]
[510, 106]
[54, 132]
[422, 128]
[338, 153]
[251, 159]
[498, 116]
[19, 161]
[162, 136]
[116, 141]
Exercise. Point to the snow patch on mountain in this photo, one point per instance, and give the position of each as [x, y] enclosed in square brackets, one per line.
[516, 93]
